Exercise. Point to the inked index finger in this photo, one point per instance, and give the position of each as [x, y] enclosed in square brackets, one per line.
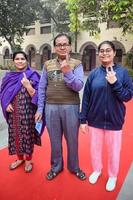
[111, 68]
[67, 57]
[24, 75]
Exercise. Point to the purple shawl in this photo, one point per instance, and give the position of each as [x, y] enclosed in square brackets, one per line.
[11, 85]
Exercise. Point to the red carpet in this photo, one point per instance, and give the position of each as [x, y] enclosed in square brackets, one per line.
[18, 185]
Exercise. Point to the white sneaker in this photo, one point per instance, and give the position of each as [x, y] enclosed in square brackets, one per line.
[94, 177]
[111, 184]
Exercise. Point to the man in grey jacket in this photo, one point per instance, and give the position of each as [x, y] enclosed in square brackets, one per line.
[60, 83]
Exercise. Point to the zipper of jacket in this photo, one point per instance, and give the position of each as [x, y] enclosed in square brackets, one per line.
[105, 110]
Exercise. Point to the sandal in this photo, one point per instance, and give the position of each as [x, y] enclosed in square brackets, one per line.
[28, 166]
[80, 174]
[16, 164]
[51, 175]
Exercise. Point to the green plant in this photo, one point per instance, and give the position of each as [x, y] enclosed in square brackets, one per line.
[130, 72]
[11, 68]
[1, 67]
[129, 59]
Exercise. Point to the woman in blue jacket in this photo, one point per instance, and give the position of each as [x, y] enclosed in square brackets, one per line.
[107, 88]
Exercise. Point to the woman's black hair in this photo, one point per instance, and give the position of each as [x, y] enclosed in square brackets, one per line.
[19, 52]
[107, 42]
[60, 35]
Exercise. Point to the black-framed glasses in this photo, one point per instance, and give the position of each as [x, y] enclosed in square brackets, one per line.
[62, 45]
[107, 51]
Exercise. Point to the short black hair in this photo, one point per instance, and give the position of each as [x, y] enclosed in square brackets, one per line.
[107, 42]
[19, 52]
[60, 35]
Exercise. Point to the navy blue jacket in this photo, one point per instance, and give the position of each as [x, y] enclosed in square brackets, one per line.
[103, 103]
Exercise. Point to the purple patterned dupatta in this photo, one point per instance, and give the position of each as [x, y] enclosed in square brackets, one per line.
[11, 85]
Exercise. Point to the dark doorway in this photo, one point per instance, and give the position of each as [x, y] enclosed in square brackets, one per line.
[31, 55]
[7, 58]
[7, 54]
[118, 57]
[89, 58]
[46, 54]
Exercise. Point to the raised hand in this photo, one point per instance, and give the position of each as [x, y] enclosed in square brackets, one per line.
[25, 82]
[111, 75]
[65, 64]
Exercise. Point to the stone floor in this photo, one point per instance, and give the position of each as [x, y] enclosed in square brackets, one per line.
[126, 192]
[3, 125]
[3, 131]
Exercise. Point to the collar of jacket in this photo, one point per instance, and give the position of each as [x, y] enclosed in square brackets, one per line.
[104, 68]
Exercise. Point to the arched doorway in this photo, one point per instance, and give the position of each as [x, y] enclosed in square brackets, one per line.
[129, 58]
[6, 57]
[31, 55]
[6, 54]
[120, 51]
[45, 52]
[88, 51]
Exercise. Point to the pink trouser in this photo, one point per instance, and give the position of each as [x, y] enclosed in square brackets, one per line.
[113, 141]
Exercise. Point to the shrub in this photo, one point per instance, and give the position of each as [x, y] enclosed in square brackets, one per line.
[130, 72]
[129, 59]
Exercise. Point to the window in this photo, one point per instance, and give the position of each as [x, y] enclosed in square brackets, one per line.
[45, 29]
[112, 24]
[31, 31]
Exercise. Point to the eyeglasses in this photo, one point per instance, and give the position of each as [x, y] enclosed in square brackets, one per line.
[62, 45]
[107, 51]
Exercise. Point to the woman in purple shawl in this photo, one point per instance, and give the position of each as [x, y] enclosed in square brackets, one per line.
[18, 97]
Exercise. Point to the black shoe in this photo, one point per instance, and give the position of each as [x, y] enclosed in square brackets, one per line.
[51, 175]
[80, 174]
